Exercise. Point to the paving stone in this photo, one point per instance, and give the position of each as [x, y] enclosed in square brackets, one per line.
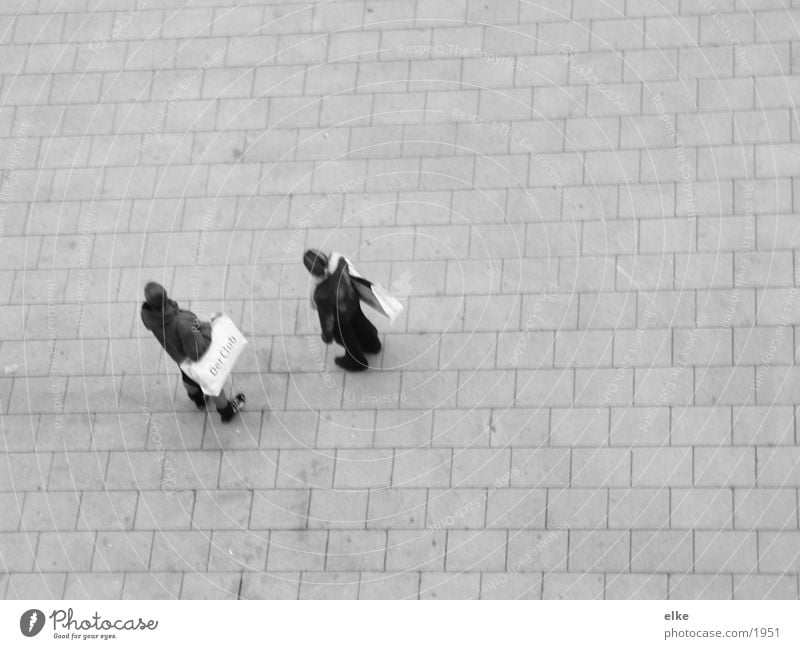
[248, 469]
[572, 586]
[48, 511]
[106, 510]
[714, 551]
[700, 587]
[216, 586]
[239, 550]
[612, 362]
[638, 508]
[65, 551]
[764, 587]
[403, 429]
[626, 586]
[446, 585]
[280, 509]
[301, 549]
[360, 469]
[775, 553]
[36, 586]
[401, 508]
[164, 510]
[422, 468]
[510, 586]
[304, 469]
[661, 551]
[94, 586]
[765, 508]
[176, 551]
[122, 551]
[422, 550]
[329, 585]
[356, 550]
[338, 509]
[516, 509]
[222, 510]
[11, 505]
[388, 585]
[599, 550]
[280, 585]
[18, 551]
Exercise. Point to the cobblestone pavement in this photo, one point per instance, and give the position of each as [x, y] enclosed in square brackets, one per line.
[587, 208]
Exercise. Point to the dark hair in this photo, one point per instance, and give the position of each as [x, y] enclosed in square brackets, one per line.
[316, 262]
[155, 295]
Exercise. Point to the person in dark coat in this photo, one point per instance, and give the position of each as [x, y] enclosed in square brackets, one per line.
[340, 316]
[183, 335]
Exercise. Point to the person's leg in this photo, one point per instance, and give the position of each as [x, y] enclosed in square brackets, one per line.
[367, 333]
[221, 400]
[354, 359]
[226, 408]
[194, 391]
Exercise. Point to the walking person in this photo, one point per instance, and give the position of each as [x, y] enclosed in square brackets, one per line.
[338, 304]
[183, 335]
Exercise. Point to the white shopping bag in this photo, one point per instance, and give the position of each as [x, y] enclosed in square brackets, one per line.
[371, 293]
[215, 366]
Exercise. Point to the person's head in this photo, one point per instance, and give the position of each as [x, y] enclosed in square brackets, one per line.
[155, 295]
[316, 262]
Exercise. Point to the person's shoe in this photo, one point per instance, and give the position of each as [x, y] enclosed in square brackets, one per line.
[199, 400]
[349, 364]
[374, 350]
[232, 409]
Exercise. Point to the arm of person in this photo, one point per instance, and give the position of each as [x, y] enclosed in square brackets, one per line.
[327, 324]
[196, 339]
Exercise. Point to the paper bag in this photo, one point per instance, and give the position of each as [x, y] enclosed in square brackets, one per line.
[371, 293]
[212, 370]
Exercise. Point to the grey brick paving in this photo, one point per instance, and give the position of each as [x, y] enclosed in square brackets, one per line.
[587, 208]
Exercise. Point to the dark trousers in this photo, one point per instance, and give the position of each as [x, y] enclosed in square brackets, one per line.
[195, 392]
[357, 336]
[192, 388]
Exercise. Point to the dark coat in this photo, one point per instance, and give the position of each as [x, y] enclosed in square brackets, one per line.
[180, 332]
[336, 300]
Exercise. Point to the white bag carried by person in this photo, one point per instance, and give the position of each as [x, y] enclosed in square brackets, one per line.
[214, 367]
[370, 293]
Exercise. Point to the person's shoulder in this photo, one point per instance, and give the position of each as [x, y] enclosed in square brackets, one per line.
[186, 318]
